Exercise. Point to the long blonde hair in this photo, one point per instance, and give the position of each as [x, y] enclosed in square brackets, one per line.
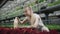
[32, 16]
[29, 7]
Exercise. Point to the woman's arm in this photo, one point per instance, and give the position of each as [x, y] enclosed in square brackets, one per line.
[25, 20]
[17, 20]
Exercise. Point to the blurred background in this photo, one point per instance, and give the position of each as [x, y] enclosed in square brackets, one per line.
[9, 9]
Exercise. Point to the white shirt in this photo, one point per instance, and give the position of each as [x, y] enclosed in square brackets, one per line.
[39, 20]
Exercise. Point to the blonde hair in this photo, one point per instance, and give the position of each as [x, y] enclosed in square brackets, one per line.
[29, 7]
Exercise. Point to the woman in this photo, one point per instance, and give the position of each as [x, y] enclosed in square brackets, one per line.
[34, 19]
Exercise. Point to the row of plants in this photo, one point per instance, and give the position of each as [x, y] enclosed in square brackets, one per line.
[51, 26]
[54, 3]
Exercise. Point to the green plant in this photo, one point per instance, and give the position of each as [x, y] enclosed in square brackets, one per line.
[54, 3]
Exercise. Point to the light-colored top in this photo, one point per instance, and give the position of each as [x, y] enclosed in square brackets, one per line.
[35, 20]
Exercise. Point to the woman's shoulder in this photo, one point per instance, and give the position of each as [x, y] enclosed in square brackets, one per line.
[36, 15]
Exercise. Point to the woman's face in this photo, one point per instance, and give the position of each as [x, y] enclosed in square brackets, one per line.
[27, 12]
